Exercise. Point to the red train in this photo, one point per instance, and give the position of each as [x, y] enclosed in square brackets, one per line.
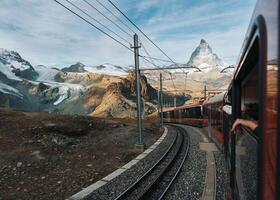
[213, 116]
[187, 114]
[253, 158]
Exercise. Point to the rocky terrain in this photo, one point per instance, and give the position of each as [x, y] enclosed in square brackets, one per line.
[51, 156]
[120, 98]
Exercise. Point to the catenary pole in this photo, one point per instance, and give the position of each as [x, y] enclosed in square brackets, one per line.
[161, 99]
[138, 94]
[158, 105]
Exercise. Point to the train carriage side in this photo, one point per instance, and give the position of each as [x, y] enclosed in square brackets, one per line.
[213, 118]
[190, 115]
[168, 115]
[255, 96]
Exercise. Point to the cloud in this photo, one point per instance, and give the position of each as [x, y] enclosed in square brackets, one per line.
[146, 4]
[45, 33]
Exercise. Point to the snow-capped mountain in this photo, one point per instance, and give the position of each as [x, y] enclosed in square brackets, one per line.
[42, 88]
[108, 69]
[78, 67]
[204, 58]
[15, 67]
[18, 78]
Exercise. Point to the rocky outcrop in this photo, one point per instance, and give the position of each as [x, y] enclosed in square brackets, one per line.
[119, 101]
[78, 67]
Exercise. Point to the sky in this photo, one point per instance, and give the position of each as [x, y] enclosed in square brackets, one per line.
[45, 33]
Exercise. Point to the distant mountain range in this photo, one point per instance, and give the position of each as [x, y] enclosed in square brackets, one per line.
[80, 89]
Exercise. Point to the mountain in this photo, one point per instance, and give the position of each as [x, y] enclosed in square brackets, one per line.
[78, 67]
[109, 69]
[15, 67]
[106, 90]
[204, 58]
[32, 87]
[191, 81]
[120, 98]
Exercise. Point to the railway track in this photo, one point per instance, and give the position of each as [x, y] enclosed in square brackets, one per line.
[155, 183]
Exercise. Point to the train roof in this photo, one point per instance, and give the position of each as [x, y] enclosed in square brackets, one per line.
[216, 98]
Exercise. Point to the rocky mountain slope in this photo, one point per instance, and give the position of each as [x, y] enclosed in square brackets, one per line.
[120, 98]
[72, 90]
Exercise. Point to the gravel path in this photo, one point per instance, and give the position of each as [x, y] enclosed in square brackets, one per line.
[112, 189]
[190, 182]
[220, 176]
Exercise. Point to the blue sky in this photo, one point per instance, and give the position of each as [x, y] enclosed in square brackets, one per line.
[45, 33]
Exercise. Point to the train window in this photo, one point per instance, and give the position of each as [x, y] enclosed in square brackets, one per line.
[249, 99]
[246, 148]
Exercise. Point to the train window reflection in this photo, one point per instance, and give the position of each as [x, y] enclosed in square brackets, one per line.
[246, 140]
[249, 101]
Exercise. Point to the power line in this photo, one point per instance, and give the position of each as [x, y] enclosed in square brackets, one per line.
[122, 22]
[159, 59]
[108, 29]
[102, 31]
[147, 53]
[119, 19]
[92, 6]
[142, 32]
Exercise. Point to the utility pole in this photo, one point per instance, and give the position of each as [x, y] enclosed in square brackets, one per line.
[175, 102]
[140, 143]
[158, 105]
[161, 99]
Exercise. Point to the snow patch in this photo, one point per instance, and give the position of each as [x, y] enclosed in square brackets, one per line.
[108, 69]
[45, 73]
[5, 69]
[9, 90]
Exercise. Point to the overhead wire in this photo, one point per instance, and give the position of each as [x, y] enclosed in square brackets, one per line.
[92, 6]
[108, 29]
[119, 19]
[90, 23]
[142, 32]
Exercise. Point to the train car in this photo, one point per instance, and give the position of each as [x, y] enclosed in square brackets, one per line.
[187, 114]
[255, 163]
[253, 156]
[213, 116]
[190, 115]
[168, 115]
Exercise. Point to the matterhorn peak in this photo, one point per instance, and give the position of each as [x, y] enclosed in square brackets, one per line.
[202, 41]
[204, 58]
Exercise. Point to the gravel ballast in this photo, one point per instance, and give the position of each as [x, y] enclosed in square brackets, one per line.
[116, 186]
[190, 182]
[220, 176]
